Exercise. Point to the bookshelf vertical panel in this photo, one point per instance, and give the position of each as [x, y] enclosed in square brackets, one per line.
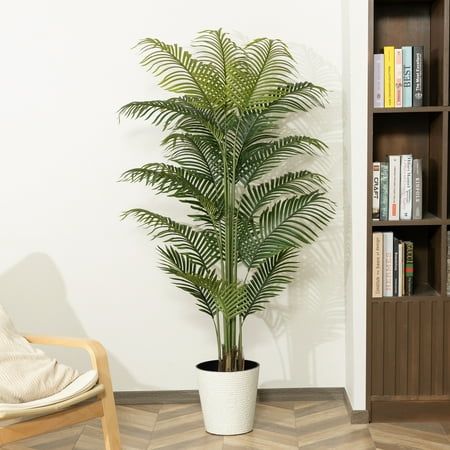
[401, 345]
[446, 343]
[377, 349]
[389, 349]
[425, 350]
[438, 56]
[437, 362]
[413, 348]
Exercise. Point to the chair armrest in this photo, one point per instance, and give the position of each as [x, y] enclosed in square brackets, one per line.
[96, 351]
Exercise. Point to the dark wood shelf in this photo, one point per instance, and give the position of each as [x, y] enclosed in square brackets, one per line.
[414, 109]
[426, 221]
[408, 338]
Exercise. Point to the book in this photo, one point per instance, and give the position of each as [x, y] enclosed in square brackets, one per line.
[417, 75]
[376, 191]
[395, 267]
[409, 268]
[389, 80]
[417, 189]
[388, 242]
[394, 187]
[384, 191]
[398, 76]
[378, 80]
[407, 76]
[401, 268]
[377, 265]
[406, 187]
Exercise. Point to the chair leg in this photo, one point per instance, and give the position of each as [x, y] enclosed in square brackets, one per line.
[110, 423]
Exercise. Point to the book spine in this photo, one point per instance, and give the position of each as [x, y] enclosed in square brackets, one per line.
[394, 186]
[389, 80]
[406, 187]
[417, 75]
[407, 75]
[378, 80]
[377, 265]
[417, 189]
[376, 191]
[395, 267]
[384, 191]
[409, 268]
[398, 76]
[388, 238]
[401, 269]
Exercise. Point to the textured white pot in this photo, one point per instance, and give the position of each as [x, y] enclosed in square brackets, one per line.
[228, 399]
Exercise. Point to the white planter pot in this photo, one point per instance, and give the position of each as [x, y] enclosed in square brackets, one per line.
[228, 399]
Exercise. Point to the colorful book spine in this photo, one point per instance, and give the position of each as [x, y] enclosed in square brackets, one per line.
[384, 191]
[409, 268]
[417, 189]
[401, 269]
[418, 76]
[376, 191]
[407, 75]
[406, 187]
[388, 242]
[377, 265]
[394, 187]
[389, 77]
[395, 267]
[378, 80]
[398, 76]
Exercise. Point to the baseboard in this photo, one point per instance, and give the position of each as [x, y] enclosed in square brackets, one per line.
[357, 416]
[265, 395]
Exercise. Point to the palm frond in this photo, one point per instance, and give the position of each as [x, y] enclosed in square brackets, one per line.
[180, 72]
[259, 159]
[290, 223]
[200, 246]
[271, 277]
[291, 183]
[186, 185]
[184, 273]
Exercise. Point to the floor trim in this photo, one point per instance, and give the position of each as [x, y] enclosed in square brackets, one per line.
[265, 395]
[357, 416]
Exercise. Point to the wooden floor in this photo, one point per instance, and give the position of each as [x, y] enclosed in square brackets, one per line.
[306, 425]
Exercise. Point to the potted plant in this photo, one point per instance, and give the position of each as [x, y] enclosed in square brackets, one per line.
[239, 247]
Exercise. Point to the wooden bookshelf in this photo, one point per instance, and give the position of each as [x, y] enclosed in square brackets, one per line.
[408, 338]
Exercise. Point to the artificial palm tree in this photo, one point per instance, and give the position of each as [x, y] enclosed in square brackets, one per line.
[246, 228]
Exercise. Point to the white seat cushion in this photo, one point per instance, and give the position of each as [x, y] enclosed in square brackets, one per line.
[80, 385]
[27, 373]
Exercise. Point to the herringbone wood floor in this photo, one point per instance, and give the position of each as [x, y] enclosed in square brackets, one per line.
[305, 425]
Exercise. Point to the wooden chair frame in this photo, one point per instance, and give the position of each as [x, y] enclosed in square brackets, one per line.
[58, 416]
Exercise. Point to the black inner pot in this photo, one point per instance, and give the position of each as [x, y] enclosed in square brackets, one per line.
[212, 366]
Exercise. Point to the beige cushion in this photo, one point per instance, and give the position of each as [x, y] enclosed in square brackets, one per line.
[27, 373]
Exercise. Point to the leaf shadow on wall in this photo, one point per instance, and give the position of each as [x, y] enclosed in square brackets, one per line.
[311, 312]
[33, 293]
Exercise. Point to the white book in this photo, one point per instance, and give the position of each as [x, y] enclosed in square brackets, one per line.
[406, 187]
[417, 194]
[377, 265]
[388, 264]
[378, 80]
[376, 190]
[398, 76]
[401, 269]
[394, 187]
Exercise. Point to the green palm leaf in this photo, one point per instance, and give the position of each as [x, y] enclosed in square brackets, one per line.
[269, 280]
[199, 245]
[290, 223]
[259, 159]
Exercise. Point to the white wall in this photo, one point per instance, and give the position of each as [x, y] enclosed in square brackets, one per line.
[68, 265]
[355, 41]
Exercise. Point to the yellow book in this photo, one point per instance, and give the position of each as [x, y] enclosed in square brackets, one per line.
[389, 77]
